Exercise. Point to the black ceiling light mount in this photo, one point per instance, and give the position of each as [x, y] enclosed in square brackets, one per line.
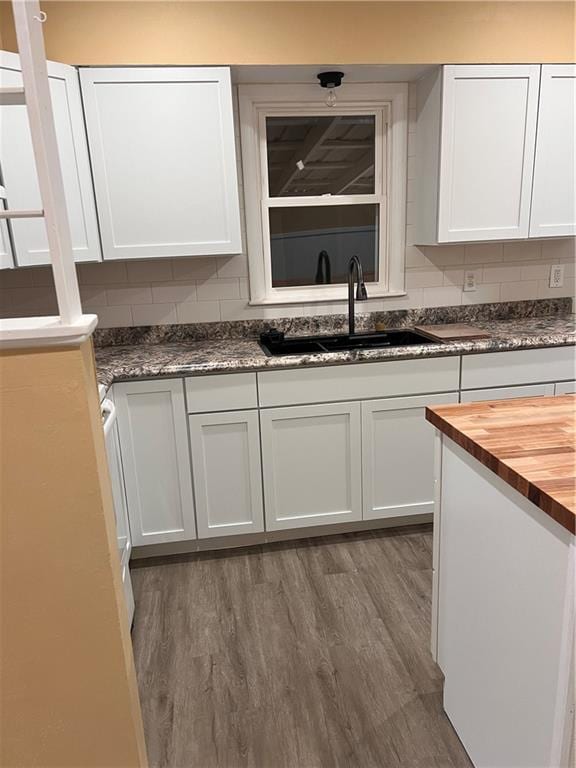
[330, 79]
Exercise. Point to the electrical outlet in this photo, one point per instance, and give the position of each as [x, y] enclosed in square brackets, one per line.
[469, 281]
[556, 275]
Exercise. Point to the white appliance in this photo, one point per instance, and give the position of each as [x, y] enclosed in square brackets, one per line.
[121, 512]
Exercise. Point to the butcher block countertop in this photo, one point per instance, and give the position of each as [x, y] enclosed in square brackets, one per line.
[528, 442]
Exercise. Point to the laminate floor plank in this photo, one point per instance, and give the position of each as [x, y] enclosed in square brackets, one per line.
[309, 654]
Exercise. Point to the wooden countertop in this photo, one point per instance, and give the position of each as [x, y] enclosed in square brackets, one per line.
[528, 442]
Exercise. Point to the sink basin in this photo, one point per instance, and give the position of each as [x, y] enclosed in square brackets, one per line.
[274, 342]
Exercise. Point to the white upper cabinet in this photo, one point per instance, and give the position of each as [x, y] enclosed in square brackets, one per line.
[19, 168]
[553, 196]
[163, 158]
[475, 154]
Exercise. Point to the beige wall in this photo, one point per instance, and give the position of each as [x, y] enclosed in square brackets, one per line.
[68, 693]
[84, 32]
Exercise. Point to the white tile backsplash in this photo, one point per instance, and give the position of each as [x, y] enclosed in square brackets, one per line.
[525, 289]
[154, 314]
[502, 274]
[134, 294]
[483, 253]
[174, 292]
[524, 250]
[208, 289]
[151, 271]
[113, 317]
[198, 312]
[218, 289]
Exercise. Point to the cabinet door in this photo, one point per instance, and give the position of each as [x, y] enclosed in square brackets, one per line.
[119, 498]
[117, 483]
[507, 393]
[553, 196]
[487, 151]
[156, 460]
[565, 388]
[398, 456]
[6, 257]
[164, 160]
[311, 465]
[227, 473]
[19, 167]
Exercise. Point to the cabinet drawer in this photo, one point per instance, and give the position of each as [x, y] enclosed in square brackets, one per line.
[358, 382]
[524, 366]
[222, 392]
[565, 388]
[507, 393]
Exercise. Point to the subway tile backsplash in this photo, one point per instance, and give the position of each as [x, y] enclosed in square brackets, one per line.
[208, 289]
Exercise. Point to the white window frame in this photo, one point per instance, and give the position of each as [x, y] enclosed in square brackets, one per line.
[389, 103]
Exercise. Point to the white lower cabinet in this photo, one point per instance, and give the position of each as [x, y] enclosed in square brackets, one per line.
[156, 460]
[288, 467]
[507, 393]
[119, 500]
[312, 465]
[227, 473]
[398, 456]
[565, 388]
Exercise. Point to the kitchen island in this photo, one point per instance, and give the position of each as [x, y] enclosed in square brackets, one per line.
[503, 613]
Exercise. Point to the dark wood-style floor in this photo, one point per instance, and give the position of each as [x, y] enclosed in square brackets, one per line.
[293, 655]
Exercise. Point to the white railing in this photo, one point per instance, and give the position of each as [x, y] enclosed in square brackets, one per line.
[70, 323]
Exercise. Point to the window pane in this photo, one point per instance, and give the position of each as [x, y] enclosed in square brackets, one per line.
[313, 245]
[320, 155]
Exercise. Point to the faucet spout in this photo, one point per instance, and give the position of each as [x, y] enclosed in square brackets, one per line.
[355, 268]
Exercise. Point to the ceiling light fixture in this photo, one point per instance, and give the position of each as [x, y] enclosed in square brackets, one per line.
[330, 80]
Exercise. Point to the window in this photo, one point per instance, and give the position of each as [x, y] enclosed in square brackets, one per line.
[323, 184]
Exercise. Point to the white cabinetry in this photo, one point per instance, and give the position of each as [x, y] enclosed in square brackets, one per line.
[398, 456]
[19, 168]
[119, 499]
[505, 618]
[565, 388]
[507, 393]
[156, 460]
[311, 465]
[553, 196]
[6, 255]
[476, 137]
[163, 156]
[523, 366]
[227, 473]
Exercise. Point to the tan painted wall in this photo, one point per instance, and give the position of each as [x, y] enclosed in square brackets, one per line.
[68, 692]
[85, 32]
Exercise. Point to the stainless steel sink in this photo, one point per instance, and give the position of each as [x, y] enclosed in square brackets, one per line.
[274, 342]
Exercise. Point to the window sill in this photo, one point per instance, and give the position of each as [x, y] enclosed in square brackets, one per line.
[306, 299]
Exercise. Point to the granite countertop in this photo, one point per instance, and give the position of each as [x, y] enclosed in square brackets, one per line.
[506, 436]
[116, 362]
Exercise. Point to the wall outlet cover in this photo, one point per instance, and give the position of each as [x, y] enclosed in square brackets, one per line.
[556, 275]
[469, 281]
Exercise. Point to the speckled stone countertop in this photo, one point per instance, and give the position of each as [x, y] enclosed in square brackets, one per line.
[117, 362]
